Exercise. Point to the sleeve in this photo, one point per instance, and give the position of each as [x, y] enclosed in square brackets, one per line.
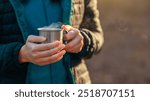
[9, 57]
[91, 30]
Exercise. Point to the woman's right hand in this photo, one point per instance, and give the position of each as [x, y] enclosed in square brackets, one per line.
[41, 54]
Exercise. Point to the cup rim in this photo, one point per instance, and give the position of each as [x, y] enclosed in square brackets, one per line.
[49, 29]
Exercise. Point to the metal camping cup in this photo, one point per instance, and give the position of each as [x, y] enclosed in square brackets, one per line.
[52, 34]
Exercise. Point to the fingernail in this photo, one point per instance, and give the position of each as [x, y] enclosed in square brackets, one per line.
[63, 26]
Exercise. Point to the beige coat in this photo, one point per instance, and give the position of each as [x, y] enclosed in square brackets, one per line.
[85, 16]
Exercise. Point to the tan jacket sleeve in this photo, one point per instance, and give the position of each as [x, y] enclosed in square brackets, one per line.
[91, 30]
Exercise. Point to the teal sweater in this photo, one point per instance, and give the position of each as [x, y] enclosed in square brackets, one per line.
[39, 13]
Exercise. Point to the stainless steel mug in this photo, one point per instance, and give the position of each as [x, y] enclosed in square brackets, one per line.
[52, 34]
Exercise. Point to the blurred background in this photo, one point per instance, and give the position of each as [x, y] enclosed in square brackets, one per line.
[125, 57]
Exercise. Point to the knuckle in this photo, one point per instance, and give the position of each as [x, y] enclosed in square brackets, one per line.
[81, 46]
[33, 48]
[82, 43]
[77, 31]
[80, 37]
[49, 45]
[57, 49]
[34, 56]
[30, 37]
[80, 49]
[48, 52]
[70, 45]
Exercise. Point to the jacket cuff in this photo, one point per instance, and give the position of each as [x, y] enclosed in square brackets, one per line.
[88, 49]
[16, 56]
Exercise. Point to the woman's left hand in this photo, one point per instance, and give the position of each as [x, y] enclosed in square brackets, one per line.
[75, 38]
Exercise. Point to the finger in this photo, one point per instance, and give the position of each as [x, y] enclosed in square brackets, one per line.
[36, 39]
[67, 27]
[47, 63]
[51, 58]
[71, 34]
[48, 53]
[48, 46]
[73, 43]
[76, 49]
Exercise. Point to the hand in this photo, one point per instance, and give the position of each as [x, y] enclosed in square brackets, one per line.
[41, 54]
[75, 38]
